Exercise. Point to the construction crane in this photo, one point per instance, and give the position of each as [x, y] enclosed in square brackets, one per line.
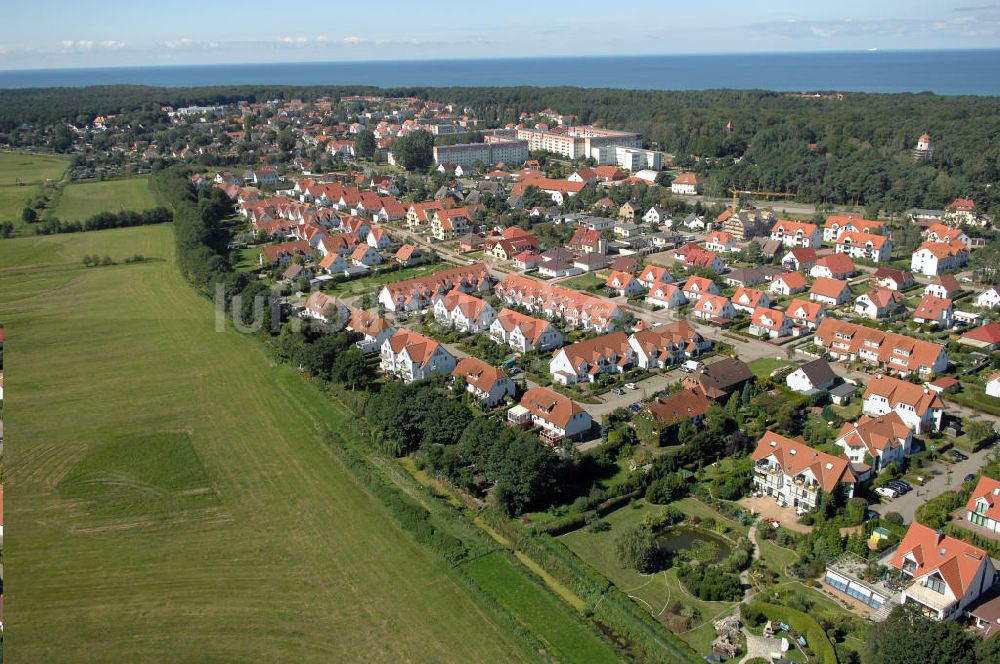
[737, 192]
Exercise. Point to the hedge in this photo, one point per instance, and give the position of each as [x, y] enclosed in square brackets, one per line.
[802, 623]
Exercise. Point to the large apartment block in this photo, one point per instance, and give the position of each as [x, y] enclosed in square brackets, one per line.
[467, 154]
[579, 142]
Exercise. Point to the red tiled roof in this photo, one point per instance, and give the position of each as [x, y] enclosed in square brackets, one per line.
[955, 560]
[795, 457]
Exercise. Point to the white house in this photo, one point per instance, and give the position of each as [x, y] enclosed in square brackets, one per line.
[934, 310]
[558, 416]
[989, 298]
[984, 505]
[656, 215]
[720, 241]
[373, 328]
[789, 283]
[714, 307]
[668, 296]
[487, 383]
[832, 292]
[933, 258]
[584, 361]
[695, 287]
[464, 312]
[875, 248]
[796, 233]
[878, 303]
[876, 441]
[524, 333]
[327, 309]
[748, 299]
[770, 323]
[411, 356]
[811, 377]
[919, 407]
[624, 284]
[794, 473]
[366, 255]
[949, 574]
[664, 345]
[993, 385]
[686, 184]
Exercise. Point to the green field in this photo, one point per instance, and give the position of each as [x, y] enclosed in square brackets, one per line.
[654, 592]
[169, 496]
[21, 178]
[565, 637]
[83, 200]
[765, 366]
[375, 281]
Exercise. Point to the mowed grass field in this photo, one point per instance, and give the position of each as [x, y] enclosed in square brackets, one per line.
[169, 497]
[21, 178]
[83, 200]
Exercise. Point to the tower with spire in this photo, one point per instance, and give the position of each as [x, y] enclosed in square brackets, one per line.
[924, 149]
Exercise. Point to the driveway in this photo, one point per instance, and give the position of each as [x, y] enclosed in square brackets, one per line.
[950, 479]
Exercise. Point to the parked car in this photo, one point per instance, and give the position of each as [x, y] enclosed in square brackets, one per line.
[969, 477]
[899, 485]
[635, 408]
[617, 391]
[886, 492]
[871, 515]
[959, 456]
[631, 386]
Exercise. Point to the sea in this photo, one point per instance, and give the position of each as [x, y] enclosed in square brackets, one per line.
[943, 72]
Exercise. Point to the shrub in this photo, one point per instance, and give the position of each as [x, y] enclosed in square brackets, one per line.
[710, 584]
[637, 549]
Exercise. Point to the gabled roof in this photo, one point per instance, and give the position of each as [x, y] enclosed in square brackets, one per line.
[837, 263]
[899, 276]
[532, 328]
[804, 309]
[679, 407]
[989, 333]
[769, 319]
[795, 457]
[826, 287]
[875, 434]
[956, 561]
[367, 323]
[718, 378]
[420, 348]
[932, 307]
[477, 373]
[550, 406]
[818, 371]
[897, 391]
[988, 491]
[793, 280]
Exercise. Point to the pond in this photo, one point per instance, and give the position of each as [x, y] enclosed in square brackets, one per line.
[682, 538]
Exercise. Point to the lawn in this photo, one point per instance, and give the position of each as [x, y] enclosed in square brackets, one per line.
[975, 397]
[171, 495]
[566, 638]
[657, 591]
[583, 282]
[81, 201]
[765, 366]
[21, 178]
[377, 280]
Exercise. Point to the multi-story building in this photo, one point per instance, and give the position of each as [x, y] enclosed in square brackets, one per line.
[373, 328]
[794, 473]
[983, 508]
[578, 142]
[888, 351]
[867, 246]
[664, 345]
[918, 406]
[948, 574]
[576, 308]
[419, 293]
[796, 233]
[487, 383]
[524, 333]
[410, 356]
[933, 258]
[513, 153]
[584, 361]
[835, 225]
[464, 312]
[876, 441]
[558, 416]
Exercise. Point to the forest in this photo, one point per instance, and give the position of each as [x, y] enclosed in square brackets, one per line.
[854, 149]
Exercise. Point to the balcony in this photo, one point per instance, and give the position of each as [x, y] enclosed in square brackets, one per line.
[938, 603]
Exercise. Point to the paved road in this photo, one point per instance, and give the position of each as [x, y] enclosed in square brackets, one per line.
[950, 478]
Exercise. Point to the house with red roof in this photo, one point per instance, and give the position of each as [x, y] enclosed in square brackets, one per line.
[487, 383]
[282, 254]
[558, 416]
[889, 351]
[464, 312]
[584, 361]
[667, 296]
[961, 211]
[714, 308]
[410, 356]
[983, 508]
[663, 345]
[789, 283]
[688, 405]
[805, 313]
[993, 385]
[987, 336]
[917, 405]
[879, 303]
[654, 275]
[686, 184]
[696, 287]
[365, 255]
[587, 241]
[876, 441]
[322, 307]
[374, 329]
[933, 310]
[796, 233]
[832, 292]
[867, 246]
[794, 473]
[948, 574]
[944, 233]
[720, 242]
[893, 279]
[770, 323]
[944, 286]
[835, 225]
[799, 258]
[933, 258]
[748, 299]
[407, 255]
[834, 266]
[624, 284]
[524, 333]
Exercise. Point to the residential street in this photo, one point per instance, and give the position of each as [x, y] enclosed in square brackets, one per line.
[950, 477]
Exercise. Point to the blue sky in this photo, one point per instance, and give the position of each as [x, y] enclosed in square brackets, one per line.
[61, 33]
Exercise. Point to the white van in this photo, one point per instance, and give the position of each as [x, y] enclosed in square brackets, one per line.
[691, 366]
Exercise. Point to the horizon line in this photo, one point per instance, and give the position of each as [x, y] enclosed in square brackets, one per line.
[873, 51]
